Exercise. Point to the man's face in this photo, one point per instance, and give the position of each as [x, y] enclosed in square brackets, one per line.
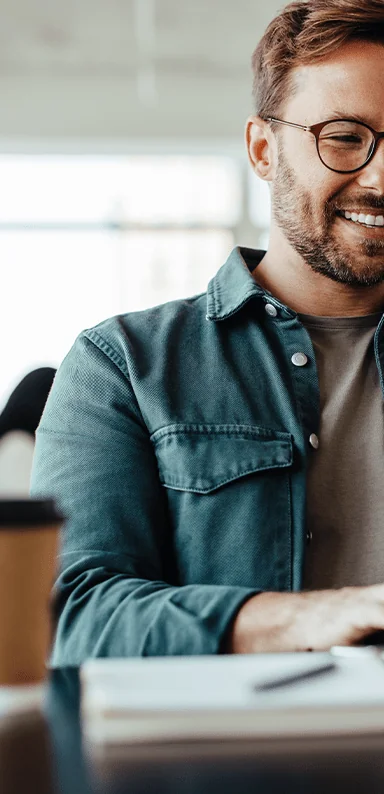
[306, 196]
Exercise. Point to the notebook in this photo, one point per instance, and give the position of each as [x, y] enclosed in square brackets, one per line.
[167, 699]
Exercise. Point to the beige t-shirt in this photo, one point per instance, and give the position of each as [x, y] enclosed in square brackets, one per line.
[345, 484]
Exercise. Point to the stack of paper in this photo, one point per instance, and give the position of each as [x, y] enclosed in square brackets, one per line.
[216, 697]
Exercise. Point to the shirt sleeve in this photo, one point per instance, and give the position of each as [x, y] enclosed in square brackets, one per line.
[114, 595]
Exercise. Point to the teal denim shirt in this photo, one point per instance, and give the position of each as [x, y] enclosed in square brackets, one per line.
[176, 441]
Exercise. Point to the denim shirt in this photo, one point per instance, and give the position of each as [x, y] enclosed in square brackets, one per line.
[176, 441]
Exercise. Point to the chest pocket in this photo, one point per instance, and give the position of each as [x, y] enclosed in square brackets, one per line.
[230, 502]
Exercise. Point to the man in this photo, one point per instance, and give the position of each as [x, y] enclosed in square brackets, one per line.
[220, 459]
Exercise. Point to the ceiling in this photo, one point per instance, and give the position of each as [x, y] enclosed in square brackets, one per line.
[142, 71]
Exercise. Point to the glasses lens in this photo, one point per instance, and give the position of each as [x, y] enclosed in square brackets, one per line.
[345, 145]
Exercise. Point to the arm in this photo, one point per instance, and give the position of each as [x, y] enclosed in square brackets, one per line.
[308, 621]
[114, 595]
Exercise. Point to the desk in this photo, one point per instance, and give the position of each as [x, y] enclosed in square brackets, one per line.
[45, 756]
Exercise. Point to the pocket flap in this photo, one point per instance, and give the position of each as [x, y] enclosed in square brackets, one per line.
[201, 458]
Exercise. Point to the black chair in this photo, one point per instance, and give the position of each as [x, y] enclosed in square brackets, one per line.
[25, 406]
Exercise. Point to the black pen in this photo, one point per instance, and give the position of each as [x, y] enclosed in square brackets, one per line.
[287, 680]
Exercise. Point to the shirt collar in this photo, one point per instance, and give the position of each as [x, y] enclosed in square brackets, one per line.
[233, 285]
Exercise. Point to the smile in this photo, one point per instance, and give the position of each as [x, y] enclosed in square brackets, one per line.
[363, 219]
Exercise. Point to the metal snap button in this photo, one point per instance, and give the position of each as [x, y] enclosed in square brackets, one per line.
[271, 309]
[299, 359]
[314, 441]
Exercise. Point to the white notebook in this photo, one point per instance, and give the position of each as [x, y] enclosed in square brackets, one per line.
[215, 697]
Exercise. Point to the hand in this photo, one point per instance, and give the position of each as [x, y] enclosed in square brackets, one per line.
[315, 620]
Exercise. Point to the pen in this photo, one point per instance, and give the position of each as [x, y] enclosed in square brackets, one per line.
[287, 680]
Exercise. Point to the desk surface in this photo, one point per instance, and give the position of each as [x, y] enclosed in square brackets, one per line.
[44, 756]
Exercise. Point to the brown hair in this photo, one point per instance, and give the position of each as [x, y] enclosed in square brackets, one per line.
[304, 32]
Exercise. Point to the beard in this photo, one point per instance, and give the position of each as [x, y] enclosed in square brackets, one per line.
[293, 208]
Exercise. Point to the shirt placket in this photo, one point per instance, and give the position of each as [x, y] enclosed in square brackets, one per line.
[304, 425]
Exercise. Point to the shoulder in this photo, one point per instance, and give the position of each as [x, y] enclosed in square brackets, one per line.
[148, 319]
[120, 336]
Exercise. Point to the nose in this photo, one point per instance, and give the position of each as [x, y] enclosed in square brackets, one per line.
[372, 175]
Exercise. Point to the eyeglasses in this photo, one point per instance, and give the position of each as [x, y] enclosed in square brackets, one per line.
[343, 145]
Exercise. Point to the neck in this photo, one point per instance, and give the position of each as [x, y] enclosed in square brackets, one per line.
[285, 274]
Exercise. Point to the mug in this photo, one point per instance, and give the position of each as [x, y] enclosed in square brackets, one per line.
[29, 536]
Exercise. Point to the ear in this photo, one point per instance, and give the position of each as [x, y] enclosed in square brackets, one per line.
[261, 148]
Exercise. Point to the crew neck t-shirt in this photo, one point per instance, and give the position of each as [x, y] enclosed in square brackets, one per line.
[345, 493]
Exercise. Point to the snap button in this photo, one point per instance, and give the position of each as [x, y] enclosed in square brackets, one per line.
[271, 309]
[299, 359]
[309, 537]
[314, 441]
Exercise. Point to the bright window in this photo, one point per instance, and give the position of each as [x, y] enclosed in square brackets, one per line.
[259, 202]
[84, 237]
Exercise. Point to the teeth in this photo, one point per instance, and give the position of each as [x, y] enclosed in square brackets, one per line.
[367, 220]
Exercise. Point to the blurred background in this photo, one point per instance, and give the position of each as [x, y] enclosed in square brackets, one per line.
[123, 175]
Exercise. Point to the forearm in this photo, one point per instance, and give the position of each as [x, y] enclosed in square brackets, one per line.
[309, 620]
[265, 624]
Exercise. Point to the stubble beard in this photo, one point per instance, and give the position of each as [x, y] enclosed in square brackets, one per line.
[292, 208]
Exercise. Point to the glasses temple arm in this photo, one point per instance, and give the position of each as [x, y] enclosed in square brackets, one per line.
[289, 123]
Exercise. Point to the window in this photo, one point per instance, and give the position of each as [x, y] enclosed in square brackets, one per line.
[260, 208]
[86, 237]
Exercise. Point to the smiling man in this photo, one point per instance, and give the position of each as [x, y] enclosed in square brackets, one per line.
[220, 459]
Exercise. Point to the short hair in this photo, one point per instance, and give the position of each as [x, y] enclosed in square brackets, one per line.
[305, 32]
